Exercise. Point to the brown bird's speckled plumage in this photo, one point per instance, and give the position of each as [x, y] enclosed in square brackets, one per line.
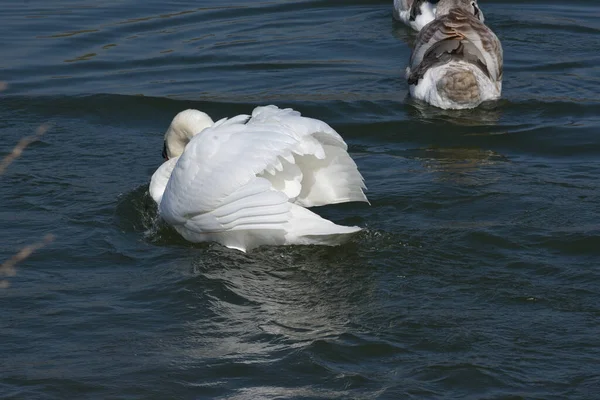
[418, 13]
[457, 38]
[463, 29]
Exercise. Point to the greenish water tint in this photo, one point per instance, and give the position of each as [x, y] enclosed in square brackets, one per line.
[476, 276]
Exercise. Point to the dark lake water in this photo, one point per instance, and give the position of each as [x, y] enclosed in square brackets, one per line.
[477, 276]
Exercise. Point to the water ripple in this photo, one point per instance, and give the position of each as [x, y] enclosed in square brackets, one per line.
[474, 276]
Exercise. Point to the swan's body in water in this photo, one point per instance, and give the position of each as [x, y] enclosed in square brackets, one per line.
[245, 181]
[457, 60]
[418, 13]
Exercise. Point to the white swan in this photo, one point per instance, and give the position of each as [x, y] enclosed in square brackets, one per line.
[457, 60]
[418, 13]
[244, 181]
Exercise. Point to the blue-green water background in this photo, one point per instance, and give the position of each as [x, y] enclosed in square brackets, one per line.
[477, 276]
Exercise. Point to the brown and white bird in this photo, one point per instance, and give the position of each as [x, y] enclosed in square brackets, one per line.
[418, 13]
[457, 59]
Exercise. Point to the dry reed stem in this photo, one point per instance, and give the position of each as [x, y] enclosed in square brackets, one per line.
[8, 268]
[18, 149]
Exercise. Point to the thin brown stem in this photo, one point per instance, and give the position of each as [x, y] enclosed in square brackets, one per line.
[18, 149]
[8, 267]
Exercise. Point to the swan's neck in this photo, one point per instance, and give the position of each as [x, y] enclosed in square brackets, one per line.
[184, 127]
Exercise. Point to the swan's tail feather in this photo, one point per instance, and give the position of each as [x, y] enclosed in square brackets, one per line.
[306, 227]
[303, 228]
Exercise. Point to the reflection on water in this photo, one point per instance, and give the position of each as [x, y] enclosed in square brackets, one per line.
[488, 113]
[84, 57]
[294, 294]
[404, 34]
[268, 300]
[68, 34]
[459, 165]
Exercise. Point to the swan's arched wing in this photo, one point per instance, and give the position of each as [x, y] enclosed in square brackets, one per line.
[214, 186]
[458, 30]
[329, 175]
[301, 126]
[330, 180]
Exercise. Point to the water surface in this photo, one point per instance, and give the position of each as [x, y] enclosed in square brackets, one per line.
[476, 275]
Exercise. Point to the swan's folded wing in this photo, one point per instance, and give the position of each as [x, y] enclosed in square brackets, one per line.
[447, 50]
[254, 206]
[459, 26]
[219, 162]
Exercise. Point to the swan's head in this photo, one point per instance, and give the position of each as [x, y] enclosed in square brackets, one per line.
[470, 6]
[183, 128]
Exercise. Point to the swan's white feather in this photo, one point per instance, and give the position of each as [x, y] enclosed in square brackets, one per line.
[330, 180]
[237, 181]
[160, 178]
[302, 126]
[329, 175]
[253, 206]
[306, 227]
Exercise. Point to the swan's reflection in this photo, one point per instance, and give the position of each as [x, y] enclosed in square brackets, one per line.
[470, 129]
[275, 298]
[459, 165]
